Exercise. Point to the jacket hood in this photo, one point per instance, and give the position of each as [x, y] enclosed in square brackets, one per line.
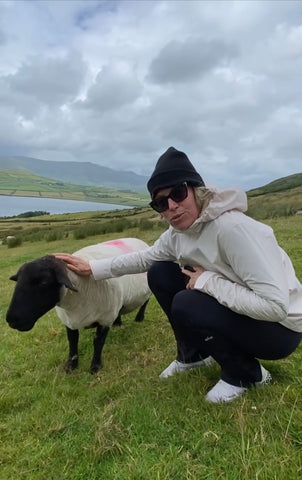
[222, 201]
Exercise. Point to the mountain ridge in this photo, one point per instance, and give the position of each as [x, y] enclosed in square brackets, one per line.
[281, 197]
[78, 173]
[88, 173]
[278, 185]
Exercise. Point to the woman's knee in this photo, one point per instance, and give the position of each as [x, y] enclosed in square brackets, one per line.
[193, 307]
[181, 308]
[162, 274]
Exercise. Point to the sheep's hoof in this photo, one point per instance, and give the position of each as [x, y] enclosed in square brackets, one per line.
[94, 368]
[71, 364]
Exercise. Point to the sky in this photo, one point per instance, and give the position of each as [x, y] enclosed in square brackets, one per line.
[118, 82]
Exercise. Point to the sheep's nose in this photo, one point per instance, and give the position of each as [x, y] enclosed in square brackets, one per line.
[11, 320]
[11, 323]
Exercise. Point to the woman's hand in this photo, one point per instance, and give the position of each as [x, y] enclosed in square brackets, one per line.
[76, 264]
[192, 275]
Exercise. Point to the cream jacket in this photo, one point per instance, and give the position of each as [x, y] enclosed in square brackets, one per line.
[246, 270]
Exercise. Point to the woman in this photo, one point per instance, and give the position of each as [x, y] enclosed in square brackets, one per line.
[229, 291]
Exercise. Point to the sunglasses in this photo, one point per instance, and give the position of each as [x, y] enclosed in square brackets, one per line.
[177, 194]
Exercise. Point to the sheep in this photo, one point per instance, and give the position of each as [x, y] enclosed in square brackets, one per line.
[80, 302]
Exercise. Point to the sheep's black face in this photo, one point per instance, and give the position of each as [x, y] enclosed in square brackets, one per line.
[36, 292]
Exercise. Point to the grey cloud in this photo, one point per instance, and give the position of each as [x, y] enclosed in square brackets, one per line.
[232, 112]
[2, 38]
[183, 61]
[112, 89]
[50, 81]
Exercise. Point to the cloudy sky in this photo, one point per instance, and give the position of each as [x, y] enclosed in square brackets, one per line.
[118, 82]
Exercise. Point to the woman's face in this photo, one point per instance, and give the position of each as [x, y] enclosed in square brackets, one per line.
[182, 214]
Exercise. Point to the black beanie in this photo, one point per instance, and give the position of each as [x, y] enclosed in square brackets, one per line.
[173, 167]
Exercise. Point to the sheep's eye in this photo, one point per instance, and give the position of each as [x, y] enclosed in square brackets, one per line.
[39, 282]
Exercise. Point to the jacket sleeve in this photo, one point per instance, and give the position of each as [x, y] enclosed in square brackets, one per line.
[256, 259]
[136, 262]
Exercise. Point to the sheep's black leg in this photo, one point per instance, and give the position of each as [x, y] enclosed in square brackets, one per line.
[141, 313]
[73, 340]
[118, 321]
[98, 342]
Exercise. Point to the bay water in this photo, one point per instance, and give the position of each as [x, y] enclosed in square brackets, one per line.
[12, 205]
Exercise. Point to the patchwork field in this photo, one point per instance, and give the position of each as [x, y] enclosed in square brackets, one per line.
[23, 183]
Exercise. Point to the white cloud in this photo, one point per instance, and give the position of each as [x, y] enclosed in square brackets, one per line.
[118, 82]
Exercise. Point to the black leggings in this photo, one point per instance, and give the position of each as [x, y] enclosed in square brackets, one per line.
[204, 327]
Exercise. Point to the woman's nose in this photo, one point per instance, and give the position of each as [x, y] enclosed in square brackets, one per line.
[172, 204]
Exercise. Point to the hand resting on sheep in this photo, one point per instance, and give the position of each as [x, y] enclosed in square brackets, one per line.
[80, 302]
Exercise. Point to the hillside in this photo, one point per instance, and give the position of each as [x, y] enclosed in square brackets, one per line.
[24, 183]
[280, 185]
[282, 197]
[78, 173]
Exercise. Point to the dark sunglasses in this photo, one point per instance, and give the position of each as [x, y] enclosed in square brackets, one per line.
[177, 194]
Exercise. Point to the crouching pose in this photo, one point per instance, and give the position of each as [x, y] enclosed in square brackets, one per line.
[229, 291]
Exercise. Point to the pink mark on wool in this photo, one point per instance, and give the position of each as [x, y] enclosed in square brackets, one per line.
[119, 244]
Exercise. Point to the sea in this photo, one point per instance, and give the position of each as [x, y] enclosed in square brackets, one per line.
[11, 205]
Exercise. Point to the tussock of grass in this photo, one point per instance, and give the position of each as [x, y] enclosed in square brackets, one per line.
[126, 422]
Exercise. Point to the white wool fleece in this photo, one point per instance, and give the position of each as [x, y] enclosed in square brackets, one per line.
[102, 301]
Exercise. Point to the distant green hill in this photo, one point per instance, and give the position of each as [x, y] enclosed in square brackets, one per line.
[284, 183]
[78, 173]
[281, 197]
[24, 183]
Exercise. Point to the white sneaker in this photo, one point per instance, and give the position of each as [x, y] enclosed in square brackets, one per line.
[178, 367]
[225, 392]
[266, 377]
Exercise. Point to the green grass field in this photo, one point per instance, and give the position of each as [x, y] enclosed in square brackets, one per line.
[125, 423]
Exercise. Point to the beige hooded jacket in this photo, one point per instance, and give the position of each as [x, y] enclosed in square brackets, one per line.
[246, 270]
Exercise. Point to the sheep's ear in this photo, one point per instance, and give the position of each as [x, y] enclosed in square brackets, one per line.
[14, 277]
[69, 285]
[63, 279]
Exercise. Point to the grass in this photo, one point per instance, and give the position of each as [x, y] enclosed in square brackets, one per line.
[125, 422]
[80, 225]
